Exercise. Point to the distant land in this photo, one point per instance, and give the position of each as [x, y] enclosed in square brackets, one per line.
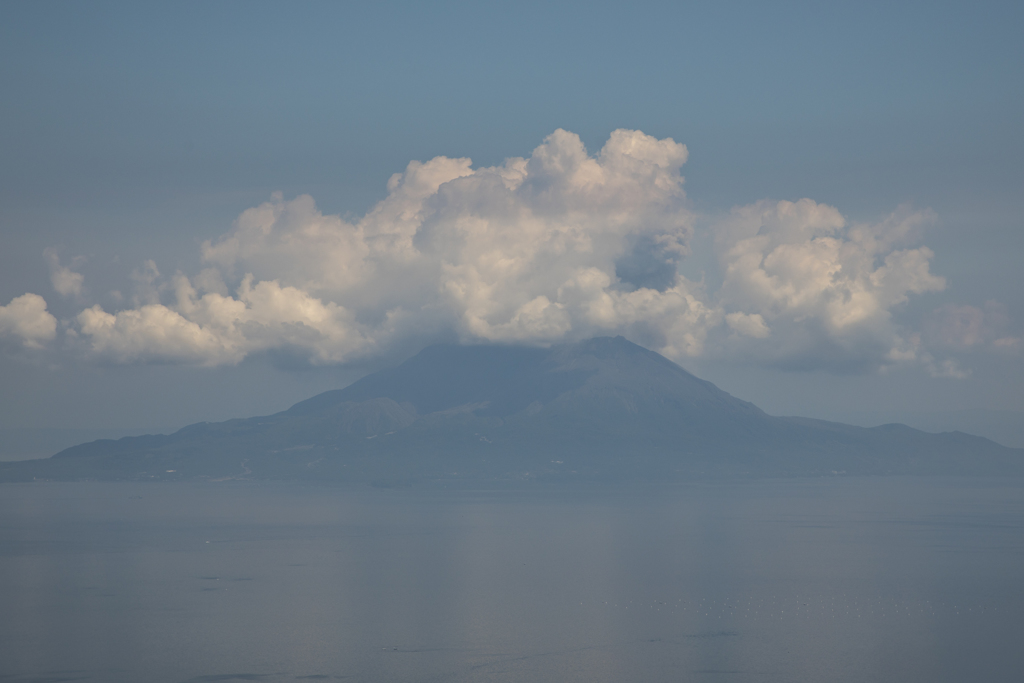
[599, 410]
[28, 443]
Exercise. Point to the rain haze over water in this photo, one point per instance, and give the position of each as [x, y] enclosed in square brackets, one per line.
[896, 579]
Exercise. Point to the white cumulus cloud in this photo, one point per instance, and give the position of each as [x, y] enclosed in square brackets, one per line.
[26, 320]
[528, 251]
[817, 292]
[558, 246]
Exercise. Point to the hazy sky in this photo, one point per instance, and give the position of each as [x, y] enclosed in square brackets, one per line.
[214, 210]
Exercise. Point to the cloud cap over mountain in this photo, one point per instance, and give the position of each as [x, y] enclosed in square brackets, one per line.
[556, 247]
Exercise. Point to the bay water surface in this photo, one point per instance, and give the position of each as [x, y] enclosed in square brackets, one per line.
[838, 579]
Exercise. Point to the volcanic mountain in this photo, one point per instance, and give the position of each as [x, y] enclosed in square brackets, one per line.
[603, 409]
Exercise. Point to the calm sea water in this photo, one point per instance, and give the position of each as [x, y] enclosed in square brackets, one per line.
[815, 580]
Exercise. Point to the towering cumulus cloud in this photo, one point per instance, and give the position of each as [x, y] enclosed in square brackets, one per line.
[559, 246]
[528, 251]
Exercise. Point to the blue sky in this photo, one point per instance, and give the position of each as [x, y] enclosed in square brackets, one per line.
[137, 132]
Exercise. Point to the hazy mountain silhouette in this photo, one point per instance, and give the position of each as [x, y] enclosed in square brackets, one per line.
[603, 409]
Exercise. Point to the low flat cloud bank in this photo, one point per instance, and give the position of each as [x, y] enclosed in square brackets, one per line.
[559, 246]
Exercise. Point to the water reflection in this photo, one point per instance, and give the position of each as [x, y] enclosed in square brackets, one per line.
[840, 579]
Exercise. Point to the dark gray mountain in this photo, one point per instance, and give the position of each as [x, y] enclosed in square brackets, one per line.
[603, 409]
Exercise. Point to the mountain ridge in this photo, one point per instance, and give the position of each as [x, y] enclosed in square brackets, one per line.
[601, 409]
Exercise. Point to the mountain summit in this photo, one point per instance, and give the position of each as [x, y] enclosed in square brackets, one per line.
[602, 409]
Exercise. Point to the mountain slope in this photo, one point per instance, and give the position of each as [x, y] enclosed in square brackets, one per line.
[600, 409]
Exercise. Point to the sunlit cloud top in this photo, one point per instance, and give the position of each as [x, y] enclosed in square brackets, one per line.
[558, 246]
